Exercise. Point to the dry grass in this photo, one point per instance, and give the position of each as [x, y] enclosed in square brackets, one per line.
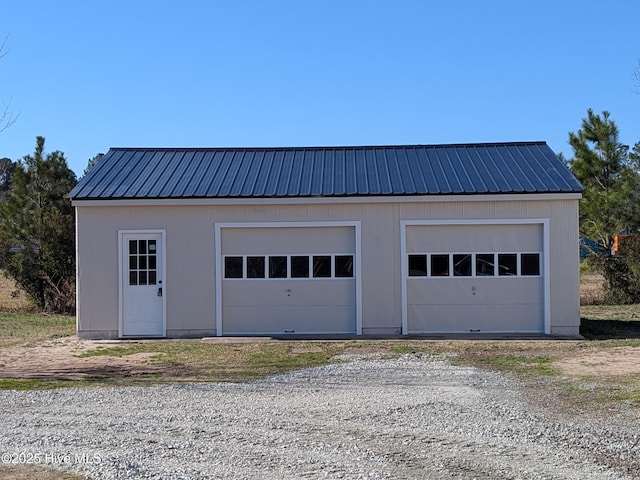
[34, 473]
[592, 290]
[24, 328]
[12, 298]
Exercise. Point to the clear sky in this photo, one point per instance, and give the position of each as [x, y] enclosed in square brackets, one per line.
[90, 75]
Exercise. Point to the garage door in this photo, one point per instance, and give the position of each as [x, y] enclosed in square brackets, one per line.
[474, 278]
[288, 280]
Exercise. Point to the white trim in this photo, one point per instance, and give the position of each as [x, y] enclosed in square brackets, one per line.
[476, 221]
[546, 269]
[219, 262]
[342, 200]
[358, 274]
[287, 224]
[77, 274]
[404, 276]
[218, 269]
[546, 264]
[163, 235]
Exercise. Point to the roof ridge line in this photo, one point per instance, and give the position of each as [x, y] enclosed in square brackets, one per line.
[334, 147]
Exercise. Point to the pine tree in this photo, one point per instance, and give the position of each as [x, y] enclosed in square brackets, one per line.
[602, 165]
[37, 230]
[7, 167]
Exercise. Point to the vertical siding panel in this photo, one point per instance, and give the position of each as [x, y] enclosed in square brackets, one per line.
[190, 268]
[98, 271]
[564, 260]
[475, 210]
[511, 209]
[380, 268]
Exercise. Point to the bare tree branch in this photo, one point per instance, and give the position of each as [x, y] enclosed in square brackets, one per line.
[3, 46]
[6, 116]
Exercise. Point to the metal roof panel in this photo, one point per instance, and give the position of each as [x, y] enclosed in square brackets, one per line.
[525, 167]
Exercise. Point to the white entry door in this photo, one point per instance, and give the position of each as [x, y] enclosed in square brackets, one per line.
[142, 279]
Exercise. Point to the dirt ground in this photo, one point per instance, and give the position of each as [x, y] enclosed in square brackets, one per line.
[56, 359]
[614, 362]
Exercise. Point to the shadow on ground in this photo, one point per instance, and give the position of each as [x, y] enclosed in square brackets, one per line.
[609, 329]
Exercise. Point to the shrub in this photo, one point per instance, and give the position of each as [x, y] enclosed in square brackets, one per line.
[622, 272]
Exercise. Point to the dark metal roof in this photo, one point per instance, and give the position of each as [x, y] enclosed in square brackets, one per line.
[131, 173]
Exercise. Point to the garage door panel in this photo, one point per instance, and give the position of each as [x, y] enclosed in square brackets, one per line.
[269, 293]
[478, 291]
[476, 318]
[482, 298]
[294, 240]
[469, 238]
[293, 319]
[261, 297]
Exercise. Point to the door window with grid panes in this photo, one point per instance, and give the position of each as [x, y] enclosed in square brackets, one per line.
[143, 262]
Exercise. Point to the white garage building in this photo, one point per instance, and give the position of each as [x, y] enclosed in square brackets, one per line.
[384, 240]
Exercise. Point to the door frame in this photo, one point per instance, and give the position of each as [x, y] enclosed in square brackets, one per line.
[546, 264]
[163, 259]
[219, 263]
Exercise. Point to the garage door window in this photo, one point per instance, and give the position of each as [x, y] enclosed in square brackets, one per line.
[474, 265]
[233, 267]
[417, 265]
[530, 263]
[462, 265]
[299, 266]
[344, 266]
[255, 267]
[322, 266]
[485, 263]
[439, 265]
[289, 266]
[507, 264]
[278, 267]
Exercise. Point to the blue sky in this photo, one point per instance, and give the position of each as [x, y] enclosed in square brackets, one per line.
[91, 75]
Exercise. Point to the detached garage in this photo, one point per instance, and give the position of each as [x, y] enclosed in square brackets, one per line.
[384, 240]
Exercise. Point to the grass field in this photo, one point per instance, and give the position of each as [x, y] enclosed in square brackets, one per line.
[21, 328]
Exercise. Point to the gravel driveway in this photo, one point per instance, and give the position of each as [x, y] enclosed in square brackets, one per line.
[412, 417]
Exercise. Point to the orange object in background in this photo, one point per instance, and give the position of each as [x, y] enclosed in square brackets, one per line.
[616, 242]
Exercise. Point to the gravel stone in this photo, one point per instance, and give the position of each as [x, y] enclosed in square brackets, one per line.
[410, 417]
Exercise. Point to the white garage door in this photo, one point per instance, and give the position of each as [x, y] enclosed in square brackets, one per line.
[288, 280]
[474, 278]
